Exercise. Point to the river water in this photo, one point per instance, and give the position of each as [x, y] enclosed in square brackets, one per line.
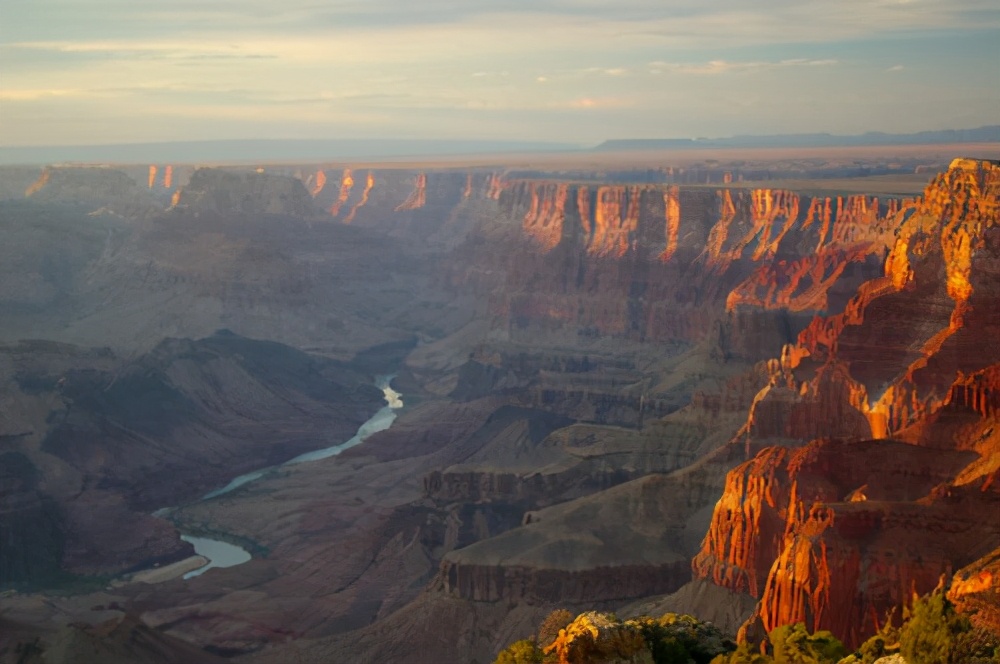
[223, 554]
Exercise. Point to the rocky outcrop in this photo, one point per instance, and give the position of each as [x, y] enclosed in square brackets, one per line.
[316, 183]
[418, 197]
[366, 192]
[93, 189]
[790, 523]
[876, 373]
[837, 533]
[253, 192]
[975, 591]
[167, 181]
[593, 637]
[511, 583]
[346, 184]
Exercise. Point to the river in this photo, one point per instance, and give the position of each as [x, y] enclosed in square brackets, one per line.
[224, 554]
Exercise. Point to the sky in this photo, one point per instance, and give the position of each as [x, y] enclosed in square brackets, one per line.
[79, 72]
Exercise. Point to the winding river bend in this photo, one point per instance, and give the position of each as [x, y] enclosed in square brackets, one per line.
[224, 554]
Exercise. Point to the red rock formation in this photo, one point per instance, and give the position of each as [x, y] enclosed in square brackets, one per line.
[544, 220]
[975, 590]
[843, 566]
[837, 533]
[346, 184]
[369, 183]
[168, 176]
[152, 175]
[495, 185]
[418, 197]
[671, 201]
[914, 366]
[319, 181]
[746, 528]
[818, 533]
[616, 219]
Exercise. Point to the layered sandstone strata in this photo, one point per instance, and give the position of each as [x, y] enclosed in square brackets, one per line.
[838, 533]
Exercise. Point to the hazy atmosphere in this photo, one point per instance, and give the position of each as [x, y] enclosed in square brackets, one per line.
[111, 71]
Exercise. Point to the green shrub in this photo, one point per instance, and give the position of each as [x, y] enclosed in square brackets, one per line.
[744, 654]
[520, 652]
[794, 645]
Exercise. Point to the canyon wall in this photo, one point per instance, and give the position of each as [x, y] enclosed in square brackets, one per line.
[839, 532]
[612, 339]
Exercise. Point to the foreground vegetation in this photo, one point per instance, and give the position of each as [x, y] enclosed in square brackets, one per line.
[930, 632]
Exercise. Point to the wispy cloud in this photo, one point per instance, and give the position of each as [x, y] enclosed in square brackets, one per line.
[724, 66]
[35, 95]
[595, 103]
[443, 66]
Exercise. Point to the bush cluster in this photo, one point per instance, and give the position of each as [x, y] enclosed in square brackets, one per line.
[931, 632]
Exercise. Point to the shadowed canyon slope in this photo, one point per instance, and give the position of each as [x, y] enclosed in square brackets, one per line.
[755, 404]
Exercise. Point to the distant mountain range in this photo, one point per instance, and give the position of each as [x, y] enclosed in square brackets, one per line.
[987, 134]
[308, 150]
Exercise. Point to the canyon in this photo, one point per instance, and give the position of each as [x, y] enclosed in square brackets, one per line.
[636, 390]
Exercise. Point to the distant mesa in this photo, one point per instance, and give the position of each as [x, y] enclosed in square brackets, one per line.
[987, 134]
[317, 151]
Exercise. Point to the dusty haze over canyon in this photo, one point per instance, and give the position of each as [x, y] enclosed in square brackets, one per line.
[761, 387]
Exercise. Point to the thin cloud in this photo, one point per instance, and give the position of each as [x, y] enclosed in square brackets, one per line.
[723, 66]
[586, 103]
[520, 67]
[35, 95]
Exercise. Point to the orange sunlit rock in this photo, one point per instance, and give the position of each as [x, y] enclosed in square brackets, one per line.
[495, 185]
[583, 210]
[152, 175]
[826, 534]
[717, 257]
[418, 197]
[672, 205]
[369, 183]
[319, 181]
[544, 219]
[616, 219]
[346, 184]
[39, 183]
[837, 533]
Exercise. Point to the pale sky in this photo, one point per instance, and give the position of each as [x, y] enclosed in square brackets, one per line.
[578, 71]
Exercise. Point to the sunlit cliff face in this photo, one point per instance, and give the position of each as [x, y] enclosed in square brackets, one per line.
[318, 183]
[672, 205]
[838, 532]
[544, 219]
[346, 184]
[168, 176]
[369, 183]
[418, 198]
